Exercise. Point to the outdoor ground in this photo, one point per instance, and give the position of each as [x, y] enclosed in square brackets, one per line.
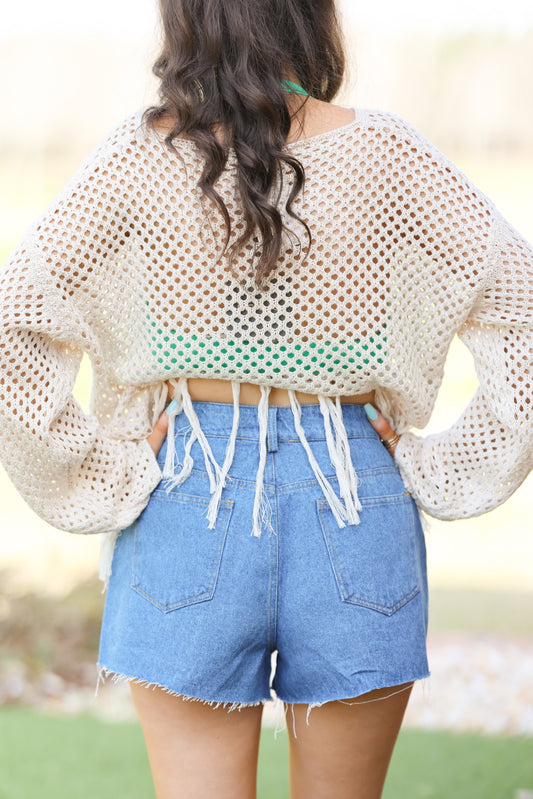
[47, 757]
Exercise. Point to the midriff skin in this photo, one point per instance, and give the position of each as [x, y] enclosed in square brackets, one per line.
[203, 389]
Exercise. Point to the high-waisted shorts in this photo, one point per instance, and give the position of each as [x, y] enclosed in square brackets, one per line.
[308, 612]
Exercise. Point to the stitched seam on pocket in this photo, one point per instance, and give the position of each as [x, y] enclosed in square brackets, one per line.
[226, 508]
[378, 470]
[167, 608]
[386, 499]
[189, 499]
[375, 472]
[332, 553]
[388, 610]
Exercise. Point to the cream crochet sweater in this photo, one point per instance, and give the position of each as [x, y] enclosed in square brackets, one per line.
[122, 265]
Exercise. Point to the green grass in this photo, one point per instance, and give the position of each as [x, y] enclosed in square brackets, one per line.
[44, 756]
[438, 765]
[53, 757]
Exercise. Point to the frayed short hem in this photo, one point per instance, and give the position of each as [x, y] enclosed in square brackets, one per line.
[116, 677]
[353, 700]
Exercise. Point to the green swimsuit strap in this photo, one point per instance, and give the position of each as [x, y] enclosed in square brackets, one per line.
[290, 86]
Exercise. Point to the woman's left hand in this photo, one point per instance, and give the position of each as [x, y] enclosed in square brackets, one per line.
[380, 425]
[159, 433]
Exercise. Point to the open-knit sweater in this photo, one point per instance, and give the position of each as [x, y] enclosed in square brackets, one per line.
[124, 265]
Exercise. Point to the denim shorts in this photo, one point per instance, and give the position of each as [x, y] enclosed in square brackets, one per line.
[309, 612]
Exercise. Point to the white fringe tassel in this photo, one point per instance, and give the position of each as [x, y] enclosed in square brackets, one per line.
[172, 477]
[338, 447]
[425, 521]
[105, 557]
[340, 456]
[212, 510]
[339, 511]
[217, 475]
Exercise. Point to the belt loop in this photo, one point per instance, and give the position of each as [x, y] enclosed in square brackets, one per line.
[272, 430]
[261, 505]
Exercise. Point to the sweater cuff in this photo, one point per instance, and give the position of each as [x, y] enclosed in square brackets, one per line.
[144, 476]
[404, 454]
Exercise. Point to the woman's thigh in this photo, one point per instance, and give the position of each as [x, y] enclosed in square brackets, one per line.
[197, 751]
[345, 750]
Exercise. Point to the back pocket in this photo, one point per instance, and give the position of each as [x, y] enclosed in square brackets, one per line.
[374, 562]
[176, 557]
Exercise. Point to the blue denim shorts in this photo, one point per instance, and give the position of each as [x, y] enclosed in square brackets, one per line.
[308, 612]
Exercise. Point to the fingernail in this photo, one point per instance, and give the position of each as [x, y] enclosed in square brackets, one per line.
[371, 411]
[172, 407]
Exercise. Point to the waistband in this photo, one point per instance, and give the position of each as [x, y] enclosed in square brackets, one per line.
[216, 418]
[265, 422]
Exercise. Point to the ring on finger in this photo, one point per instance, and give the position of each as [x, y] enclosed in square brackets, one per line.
[390, 442]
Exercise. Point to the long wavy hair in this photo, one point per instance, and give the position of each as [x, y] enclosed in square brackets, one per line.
[221, 65]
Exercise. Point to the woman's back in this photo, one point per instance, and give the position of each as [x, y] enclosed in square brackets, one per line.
[406, 252]
[312, 119]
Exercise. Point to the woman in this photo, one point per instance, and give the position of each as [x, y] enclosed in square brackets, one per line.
[252, 270]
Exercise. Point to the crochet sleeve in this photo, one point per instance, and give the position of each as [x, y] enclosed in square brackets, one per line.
[477, 463]
[57, 457]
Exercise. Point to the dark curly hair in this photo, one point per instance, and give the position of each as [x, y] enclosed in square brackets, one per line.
[222, 63]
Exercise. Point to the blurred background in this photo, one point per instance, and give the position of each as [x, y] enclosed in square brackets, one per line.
[461, 72]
